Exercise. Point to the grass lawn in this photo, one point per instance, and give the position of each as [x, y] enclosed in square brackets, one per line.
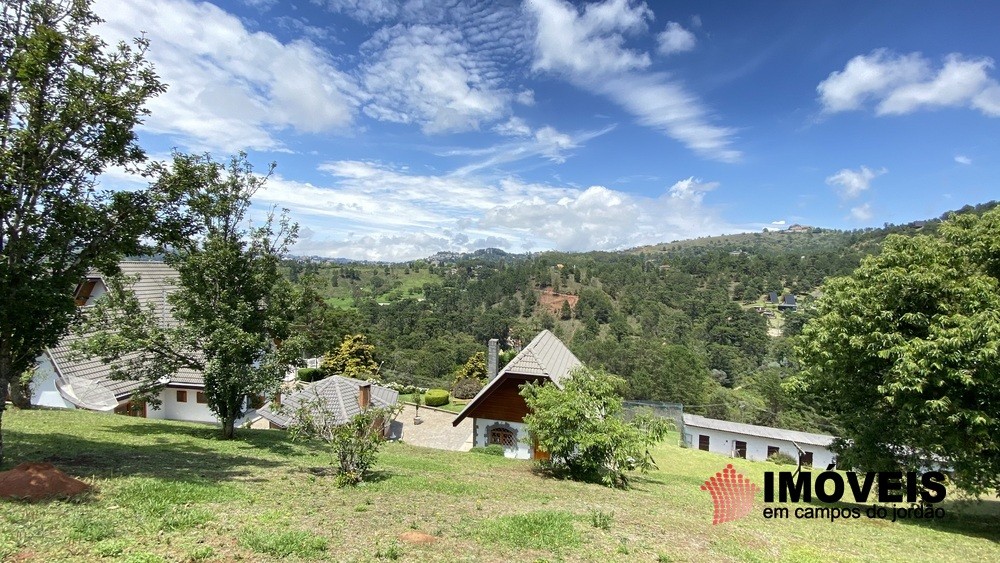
[169, 491]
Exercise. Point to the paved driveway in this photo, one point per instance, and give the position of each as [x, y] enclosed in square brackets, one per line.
[435, 431]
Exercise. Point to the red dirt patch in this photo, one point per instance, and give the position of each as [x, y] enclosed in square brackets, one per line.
[36, 481]
[553, 301]
[417, 538]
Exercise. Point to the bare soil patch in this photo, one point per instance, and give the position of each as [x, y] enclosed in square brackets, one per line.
[38, 481]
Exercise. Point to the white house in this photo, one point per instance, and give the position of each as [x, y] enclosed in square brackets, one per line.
[65, 380]
[498, 410]
[757, 443]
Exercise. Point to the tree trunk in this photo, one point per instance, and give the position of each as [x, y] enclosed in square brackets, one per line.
[228, 428]
[20, 394]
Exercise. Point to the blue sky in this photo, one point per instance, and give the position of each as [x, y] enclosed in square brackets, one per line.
[405, 128]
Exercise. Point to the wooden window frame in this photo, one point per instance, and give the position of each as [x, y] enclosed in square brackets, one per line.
[200, 398]
[182, 396]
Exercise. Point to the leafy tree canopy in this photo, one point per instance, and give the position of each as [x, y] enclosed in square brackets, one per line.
[583, 428]
[68, 107]
[906, 352]
[354, 358]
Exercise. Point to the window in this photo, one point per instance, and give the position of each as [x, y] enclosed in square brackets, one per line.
[83, 292]
[256, 401]
[771, 450]
[200, 397]
[132, 408]
[741, 449]
[501, 436]
[182, 396]
[806, 459]
[703, 442]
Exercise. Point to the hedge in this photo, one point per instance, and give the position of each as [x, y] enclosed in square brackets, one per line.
[310, 374]
[466, 388]
[436, 397]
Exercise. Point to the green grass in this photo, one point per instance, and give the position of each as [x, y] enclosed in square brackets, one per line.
[167, 491]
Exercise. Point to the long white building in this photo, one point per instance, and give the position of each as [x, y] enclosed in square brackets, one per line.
[757, 443]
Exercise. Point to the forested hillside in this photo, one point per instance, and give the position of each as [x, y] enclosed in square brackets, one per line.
[684, 322]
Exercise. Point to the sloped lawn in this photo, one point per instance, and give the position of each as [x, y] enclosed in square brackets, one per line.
[168, 491]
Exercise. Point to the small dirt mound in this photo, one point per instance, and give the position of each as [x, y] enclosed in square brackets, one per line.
[417, 538]
[37, 481]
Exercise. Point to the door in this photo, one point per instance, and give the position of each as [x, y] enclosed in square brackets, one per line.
[703, 442]
[806, 459]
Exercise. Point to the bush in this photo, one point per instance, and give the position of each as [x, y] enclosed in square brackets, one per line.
[466, 388]
[492, 449]
[310, 374]
[436, 397]
[781, 459]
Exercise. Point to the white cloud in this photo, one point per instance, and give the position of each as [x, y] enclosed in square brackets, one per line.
[427, 75]
[546, 142]
[365, 11]
[230, 88]
[513, 127]
[588, 48]
[778, 223]
[675, 39]
[862, 212]
[384, 213]
[962, 159]
[901, 84]
[851, 183]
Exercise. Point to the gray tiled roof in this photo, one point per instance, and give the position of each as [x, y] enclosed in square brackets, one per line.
[155, 281]
[544, 356]
[338, 393]
[696, 421]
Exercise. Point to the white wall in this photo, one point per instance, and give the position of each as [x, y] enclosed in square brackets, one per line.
[43, 386]
[171, 409]
[523, 448]
[724, 443]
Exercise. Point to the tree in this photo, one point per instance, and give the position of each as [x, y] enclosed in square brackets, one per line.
[583, 428]
[475, 368]
[905, 350]
[231, 302]
[69, 104]
[565, 311]
[354, 358]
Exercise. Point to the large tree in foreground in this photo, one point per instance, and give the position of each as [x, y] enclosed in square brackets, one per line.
[232, 306]
[68, 107]
[907, 352]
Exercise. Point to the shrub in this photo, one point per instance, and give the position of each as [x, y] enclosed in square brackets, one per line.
[354, 444]
[310, 374]
[492, 449]
[601, 519]
[466, 388]
[436, 397]
[781, 459]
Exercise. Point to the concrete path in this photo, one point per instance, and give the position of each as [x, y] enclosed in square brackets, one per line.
[435, 431]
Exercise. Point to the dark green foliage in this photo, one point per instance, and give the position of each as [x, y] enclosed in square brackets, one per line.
[69, 103]
[436, 397]
[905, 353]
[310, 374]
[492, 449]
[474, 369]
[231, 302]
[466, 388]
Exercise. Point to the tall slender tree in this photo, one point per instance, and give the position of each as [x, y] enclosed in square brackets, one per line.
[231, 303]
[69, 104]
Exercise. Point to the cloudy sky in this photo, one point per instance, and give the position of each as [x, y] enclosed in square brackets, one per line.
[405, 128]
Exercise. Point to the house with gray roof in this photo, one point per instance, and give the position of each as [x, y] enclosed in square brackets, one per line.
[757, 443]
[498, 410]
[63, 379]
[337, 398]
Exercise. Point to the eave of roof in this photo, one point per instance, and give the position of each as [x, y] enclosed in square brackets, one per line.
[696, 421]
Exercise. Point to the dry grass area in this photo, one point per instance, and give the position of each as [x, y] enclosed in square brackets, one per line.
[166, 491]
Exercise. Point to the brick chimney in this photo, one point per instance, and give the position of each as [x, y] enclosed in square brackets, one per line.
[491, 359]
[365, 395]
